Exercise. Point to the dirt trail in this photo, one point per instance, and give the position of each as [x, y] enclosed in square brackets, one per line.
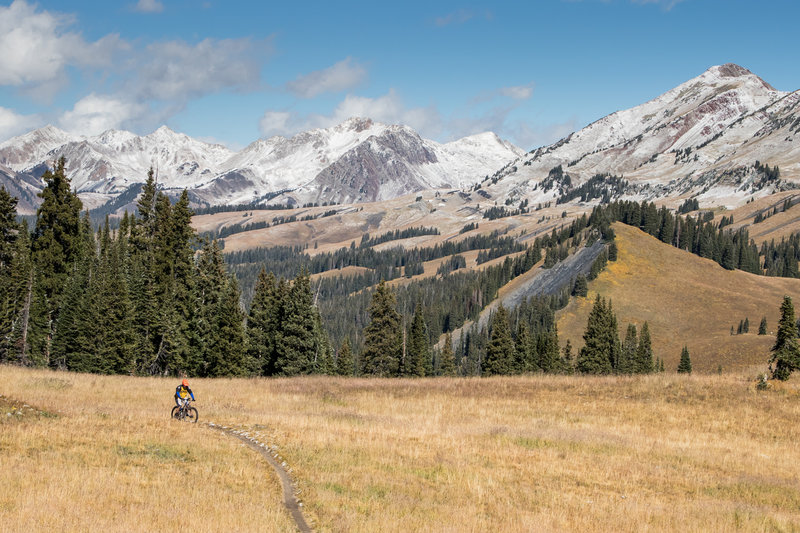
[289, 498]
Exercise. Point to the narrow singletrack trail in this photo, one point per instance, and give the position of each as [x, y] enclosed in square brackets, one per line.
[289, 490]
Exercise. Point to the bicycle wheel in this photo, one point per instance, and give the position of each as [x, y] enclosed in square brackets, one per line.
[175, 412]
[191, 414]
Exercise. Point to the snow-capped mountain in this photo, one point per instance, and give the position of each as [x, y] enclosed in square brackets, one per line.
[304, 168]
[687, 141]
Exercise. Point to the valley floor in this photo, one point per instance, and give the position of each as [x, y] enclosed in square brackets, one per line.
[530, 453]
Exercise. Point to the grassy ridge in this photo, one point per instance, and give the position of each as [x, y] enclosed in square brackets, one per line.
[662, 452]
[686, 300]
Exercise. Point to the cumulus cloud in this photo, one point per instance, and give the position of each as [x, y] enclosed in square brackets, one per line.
[149, 6]
[12, 123]
[344, 75]
[177, 70]
[388, 109]
[36, 46]
[95, 114]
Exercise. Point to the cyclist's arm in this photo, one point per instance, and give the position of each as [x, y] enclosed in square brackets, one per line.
[191, 394]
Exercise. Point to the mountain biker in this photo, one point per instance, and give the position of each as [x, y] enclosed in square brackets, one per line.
[182, 393]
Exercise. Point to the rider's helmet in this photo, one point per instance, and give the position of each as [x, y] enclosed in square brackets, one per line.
[185, 382]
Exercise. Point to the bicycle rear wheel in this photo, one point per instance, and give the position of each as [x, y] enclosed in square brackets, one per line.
[175, 412]
[191, 414]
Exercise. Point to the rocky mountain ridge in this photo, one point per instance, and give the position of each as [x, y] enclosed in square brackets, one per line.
[698, 139]
[304, 167]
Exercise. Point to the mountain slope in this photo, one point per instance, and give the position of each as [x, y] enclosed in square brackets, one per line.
[678, 144]
[378, 160]
[686, 300]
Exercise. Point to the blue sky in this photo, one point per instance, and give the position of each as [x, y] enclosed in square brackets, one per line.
[234, 71]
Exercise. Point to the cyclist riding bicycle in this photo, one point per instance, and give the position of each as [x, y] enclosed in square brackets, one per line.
[182, 393]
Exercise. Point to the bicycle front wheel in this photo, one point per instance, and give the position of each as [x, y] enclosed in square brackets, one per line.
[191, 414]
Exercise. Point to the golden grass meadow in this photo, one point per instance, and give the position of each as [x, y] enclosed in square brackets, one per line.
[529, 453]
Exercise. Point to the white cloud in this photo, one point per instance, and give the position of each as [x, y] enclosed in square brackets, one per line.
[149, 6]
[345, 74]
[522, 92]
[35, 46]
[12, 124]
[179, 71]
[95, 114]
[388, 109]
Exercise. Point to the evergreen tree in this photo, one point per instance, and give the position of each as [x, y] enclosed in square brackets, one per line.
[227, 352]
[383, 335]
[568, 357]
[762, 327]
[581, 287]
[644, 352]
[262, 325]
[56, 237]
[9, 230]
[447, 366]
[418, 355]
[786, 351]
[601, 340]
[685, 364]
[500, 351]
[297, 347]
[523, 348]
[628, 362]
[549, 356]
[344, 361]
[746, 325]
[55, 243]
[18, 297]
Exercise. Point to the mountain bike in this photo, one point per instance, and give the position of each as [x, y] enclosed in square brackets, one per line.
[185, 412]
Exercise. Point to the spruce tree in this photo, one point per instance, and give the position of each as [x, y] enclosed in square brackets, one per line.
[568, 357]
[581, 287]
[9, 230]
[628, 362]
[447, 367]
[261, 324]
[548, 353]
[14, 347]
[418, 355]
[344, 361]
[383, 335]
[786, 351]
[685, 364]
[762, 327]
[297, 347]
[644, 352]
[224, 341]
[55, 243]
[522, 348]
[597, 354]
[500, 355]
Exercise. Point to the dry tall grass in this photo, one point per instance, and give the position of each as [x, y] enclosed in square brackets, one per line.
[542, 453]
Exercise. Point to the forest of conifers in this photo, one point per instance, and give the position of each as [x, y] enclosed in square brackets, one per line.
[151, 297]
